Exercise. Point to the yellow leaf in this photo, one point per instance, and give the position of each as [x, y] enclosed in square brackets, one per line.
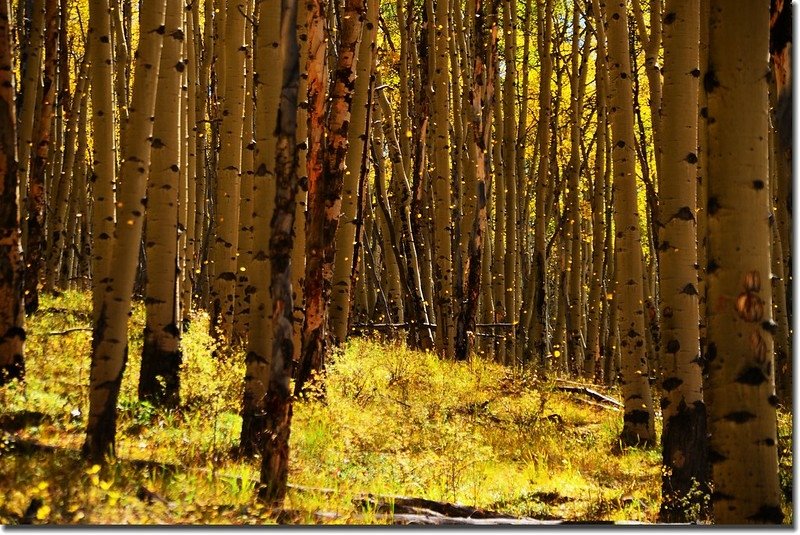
[94, 469]
[105, 485]
[43, 485]
[43, 511]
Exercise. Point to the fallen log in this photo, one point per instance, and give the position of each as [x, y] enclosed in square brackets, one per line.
[567, 386]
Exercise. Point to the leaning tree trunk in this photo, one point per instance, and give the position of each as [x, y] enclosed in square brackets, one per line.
[684, 437]
[741, 382]
[278, 402]
[639, 424]
[12, 320]
[324, 197]
[110, 329]
[159, 380]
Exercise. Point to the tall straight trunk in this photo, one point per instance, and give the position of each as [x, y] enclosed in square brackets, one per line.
[651, 42]
[638, 421]
[684, 437]
[110, 329]
[299, 251]
[442, 236]
[12, 320]
[159, 375]
[244, 290]
[499, 247]
[594, 328]
[37, 198]
[537, 344]
[229, 169]
[104, 166]
[31, 89]
[358, 135]
[510, 165]
[278, 402]
[190, 167]
[324, 196]
[482, 92]
[574, 270]
[741, 381]
[259, 344]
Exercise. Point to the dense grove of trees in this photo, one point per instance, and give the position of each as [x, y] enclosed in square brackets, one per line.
[576, 188]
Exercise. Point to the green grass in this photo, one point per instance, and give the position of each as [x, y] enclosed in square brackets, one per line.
[392, 422]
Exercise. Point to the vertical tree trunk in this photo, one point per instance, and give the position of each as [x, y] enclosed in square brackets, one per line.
[741, 383]
[229, 169]
[639, 424]
[324, 196]
[358, 136]
[12, 321]
[684, 437]
[110, 329]
[260, 344]
[278, 402]
[36, 213]
[161, 355]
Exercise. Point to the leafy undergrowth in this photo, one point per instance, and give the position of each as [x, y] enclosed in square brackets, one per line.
[391, 422]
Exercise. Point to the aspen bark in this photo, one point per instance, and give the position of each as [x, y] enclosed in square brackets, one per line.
[324, 196]
[159, 375]
[358, 136]
[260, 343]
[229, 169]
[34, 244]
[12, 320]
[684, 437]
[278, 402]
[442, 236]
[638, 421]
[741, 382]
[110, 330]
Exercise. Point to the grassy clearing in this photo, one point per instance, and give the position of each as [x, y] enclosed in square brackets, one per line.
[391, 422]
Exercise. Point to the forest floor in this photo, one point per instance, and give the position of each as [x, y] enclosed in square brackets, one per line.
[392, 423]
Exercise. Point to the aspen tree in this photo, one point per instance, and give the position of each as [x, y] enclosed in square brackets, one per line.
[31, 90]
[278, 402]
[500, 220]
[358, 135]
[34, 242]
[244, 291]
[229, 168]
[12, 320]
[651, 42]
[537, 342]
[259, 344]
[482, 93]
[594, 323]
[638, 421]
[60, 197]
[159, 379]
[509, 166]
[324, 196]
[741, 382]
[578, 63]
[420, 333]
[684, 436]
[190, 126]
[110, 330]
[442, 236]
[299, 251]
